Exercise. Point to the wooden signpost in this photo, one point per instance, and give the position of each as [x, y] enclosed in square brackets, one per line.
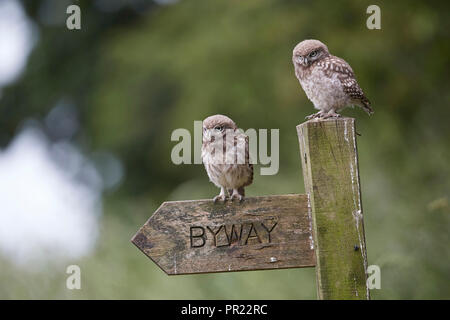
[199, 236]
[322, 229]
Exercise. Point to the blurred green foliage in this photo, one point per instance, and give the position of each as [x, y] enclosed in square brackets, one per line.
[136, 76]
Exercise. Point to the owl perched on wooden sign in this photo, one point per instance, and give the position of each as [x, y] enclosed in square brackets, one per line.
[225, 154]
[328, 81]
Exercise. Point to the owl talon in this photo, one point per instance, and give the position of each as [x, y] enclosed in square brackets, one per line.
[237, 195]
[331, 114]
[314, 115]
[220, 197]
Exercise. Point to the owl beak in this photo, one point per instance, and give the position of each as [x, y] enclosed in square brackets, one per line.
[302, 60]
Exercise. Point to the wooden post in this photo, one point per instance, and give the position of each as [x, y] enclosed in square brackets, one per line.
[330, 170]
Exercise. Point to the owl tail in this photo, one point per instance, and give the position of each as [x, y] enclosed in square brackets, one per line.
[366, 106]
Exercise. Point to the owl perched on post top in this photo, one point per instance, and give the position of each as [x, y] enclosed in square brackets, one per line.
[328, 81]
[225, 154]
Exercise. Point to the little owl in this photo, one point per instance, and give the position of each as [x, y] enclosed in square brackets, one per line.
[328, 81]
[225, 154]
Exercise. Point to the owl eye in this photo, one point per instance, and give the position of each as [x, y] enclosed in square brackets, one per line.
[313, 54]
[218, 128]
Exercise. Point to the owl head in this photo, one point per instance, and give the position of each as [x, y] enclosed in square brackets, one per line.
[309, 51]
[217, 125]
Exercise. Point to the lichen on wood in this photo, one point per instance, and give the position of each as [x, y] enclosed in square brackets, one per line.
[330, 171]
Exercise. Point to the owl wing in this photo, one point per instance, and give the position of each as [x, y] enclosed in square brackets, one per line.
[246, 166]
[335, 65]
[247, 162]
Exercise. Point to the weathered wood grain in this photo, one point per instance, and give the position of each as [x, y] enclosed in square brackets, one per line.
[330, 170]
[269, 232]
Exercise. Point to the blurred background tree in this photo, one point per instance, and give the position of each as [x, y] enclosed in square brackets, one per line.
[138, 69]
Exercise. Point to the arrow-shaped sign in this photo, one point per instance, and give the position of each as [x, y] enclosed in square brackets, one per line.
[270, 232]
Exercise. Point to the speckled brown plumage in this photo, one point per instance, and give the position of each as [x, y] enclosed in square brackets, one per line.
[328, 81]
[225, 154]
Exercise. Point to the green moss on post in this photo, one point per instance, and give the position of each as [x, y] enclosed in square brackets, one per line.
[330, 170]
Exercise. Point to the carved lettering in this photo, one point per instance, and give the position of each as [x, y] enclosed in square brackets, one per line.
[214, 233]
[249, 236]
[267, 229]
[233, 232]
[202, 236]
[246, 233]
